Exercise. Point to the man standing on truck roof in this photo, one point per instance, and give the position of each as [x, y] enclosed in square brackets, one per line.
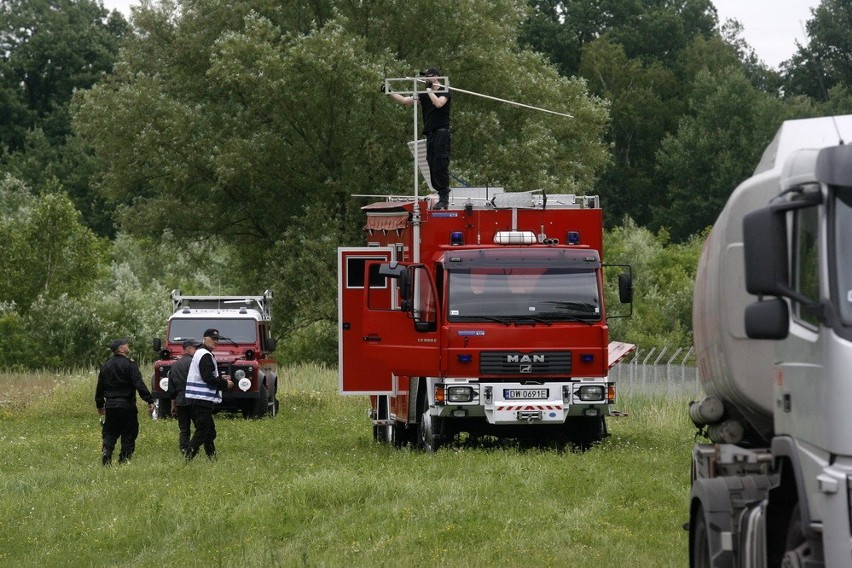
[119, 379]
[203, 386]
[177, 392]
[436, 127]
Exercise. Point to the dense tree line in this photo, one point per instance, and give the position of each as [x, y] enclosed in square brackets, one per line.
[214, 145]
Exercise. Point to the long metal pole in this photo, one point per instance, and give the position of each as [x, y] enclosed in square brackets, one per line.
[415, 214]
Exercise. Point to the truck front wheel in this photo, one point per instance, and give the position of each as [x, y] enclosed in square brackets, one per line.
[699, 545]
[163, 406]
[429, 432]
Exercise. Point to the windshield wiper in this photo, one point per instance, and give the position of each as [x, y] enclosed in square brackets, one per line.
[523, 319]
[559, 316]
[582, 307]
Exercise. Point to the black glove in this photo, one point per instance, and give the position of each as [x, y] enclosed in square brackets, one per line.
[383, 88]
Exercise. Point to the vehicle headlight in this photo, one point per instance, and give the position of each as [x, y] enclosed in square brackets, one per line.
[240, 374]
[459, 394]
[164, 384]
[590, 393]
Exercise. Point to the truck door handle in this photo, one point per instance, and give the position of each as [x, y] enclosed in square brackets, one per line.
[372, 337]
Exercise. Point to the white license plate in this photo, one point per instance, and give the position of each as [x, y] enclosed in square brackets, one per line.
[525, 394]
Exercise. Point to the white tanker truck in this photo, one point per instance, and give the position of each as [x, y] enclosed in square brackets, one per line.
[772, 317]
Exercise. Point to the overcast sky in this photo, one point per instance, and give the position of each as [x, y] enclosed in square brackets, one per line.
[771, 27]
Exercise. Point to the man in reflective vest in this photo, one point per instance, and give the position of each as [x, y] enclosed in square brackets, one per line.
[203, 386]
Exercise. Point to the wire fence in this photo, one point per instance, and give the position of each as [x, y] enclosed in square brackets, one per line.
[670, 372]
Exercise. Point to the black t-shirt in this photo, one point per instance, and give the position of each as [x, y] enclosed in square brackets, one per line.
[435, 117]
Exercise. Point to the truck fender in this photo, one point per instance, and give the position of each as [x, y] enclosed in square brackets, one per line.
[712, 497]
[722, 499]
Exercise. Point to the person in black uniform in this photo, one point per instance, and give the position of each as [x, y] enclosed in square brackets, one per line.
[176, 391]
[436, 127]
[119, 380]
[203, 392]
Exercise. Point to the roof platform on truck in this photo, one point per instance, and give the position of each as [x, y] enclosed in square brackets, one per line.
[462, 198]
[263, 304]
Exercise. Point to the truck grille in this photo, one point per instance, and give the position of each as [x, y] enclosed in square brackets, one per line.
[534, 363]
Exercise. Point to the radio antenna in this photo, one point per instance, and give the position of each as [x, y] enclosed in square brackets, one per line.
[456, 89]
[820, 72]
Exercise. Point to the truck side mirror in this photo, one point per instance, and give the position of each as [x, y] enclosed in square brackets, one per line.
[625, 287]
[156, 344]
[399, 273]
[767, 319]
[270, 344]
[765, 252]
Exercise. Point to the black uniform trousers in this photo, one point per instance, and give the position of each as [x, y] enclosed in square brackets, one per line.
[184, 419]
[438, 157]
[120, 423]
[205, 431]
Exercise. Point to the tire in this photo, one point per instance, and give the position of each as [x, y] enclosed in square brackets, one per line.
[163, 407]
[428, 432]
[796, 547]
[402, 435]
[586, 431]
[260, 404]
[699, 541]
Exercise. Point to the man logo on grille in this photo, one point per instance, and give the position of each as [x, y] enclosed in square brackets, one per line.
[526, 368]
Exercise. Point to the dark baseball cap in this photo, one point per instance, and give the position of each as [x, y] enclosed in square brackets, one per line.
[116, 343]
[212, 333]
[432, 72]
[189, 343]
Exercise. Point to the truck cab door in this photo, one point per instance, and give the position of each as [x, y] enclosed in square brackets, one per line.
[354, 276]
[402, 330]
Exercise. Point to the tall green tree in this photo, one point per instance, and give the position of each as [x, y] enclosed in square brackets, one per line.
[46, 248]
[826, 60]
[663, 276]
[707, 157]
[253, 118]
[48, 50]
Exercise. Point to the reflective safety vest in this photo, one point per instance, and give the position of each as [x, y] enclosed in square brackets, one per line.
[196, 388]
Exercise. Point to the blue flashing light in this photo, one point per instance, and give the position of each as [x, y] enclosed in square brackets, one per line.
[457, 238]
[573, 237]
[467, 358]
[587, 357]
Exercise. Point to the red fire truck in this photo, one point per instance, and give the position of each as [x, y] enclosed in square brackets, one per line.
[487, 317]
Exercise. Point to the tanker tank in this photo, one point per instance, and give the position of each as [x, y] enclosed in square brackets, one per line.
[731, 366]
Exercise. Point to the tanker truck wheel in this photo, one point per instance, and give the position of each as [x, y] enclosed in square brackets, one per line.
[428, 434]
[797, 550]
[699, 549]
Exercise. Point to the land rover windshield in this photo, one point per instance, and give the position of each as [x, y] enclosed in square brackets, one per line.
[230, 330]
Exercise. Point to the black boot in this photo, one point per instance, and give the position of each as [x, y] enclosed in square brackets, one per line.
[443, 200]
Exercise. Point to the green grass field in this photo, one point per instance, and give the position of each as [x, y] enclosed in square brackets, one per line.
[310, 488]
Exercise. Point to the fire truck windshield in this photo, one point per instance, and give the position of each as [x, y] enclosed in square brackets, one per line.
[551, 294]
[230, 330]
